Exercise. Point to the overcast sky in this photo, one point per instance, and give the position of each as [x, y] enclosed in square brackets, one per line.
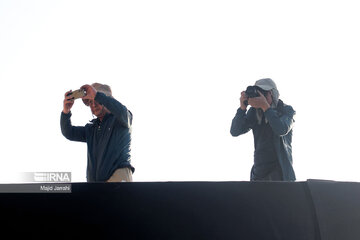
[180, 66]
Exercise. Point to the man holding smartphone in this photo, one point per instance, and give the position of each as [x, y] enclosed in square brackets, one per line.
[108, 136]
[271, 122]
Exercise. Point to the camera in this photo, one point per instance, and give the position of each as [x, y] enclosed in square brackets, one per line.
[77, 94]
[252, 92]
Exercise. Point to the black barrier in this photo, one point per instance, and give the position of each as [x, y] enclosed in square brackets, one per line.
[183, 210]
[337, 206]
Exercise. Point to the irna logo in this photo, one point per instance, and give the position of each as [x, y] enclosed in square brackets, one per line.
[52, 176]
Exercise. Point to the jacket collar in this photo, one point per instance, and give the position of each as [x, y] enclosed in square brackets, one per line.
[97, 122]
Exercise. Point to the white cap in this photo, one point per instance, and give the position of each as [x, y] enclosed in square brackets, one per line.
[266, 84]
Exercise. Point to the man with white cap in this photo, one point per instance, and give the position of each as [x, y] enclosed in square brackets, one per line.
[108, 136]
[271, 122]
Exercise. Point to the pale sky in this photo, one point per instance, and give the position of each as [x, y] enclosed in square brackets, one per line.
[180, 66]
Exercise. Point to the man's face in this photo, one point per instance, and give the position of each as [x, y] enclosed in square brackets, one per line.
[268, 97]
[96, 108]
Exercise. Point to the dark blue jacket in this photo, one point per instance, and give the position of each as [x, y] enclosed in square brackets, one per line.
[108, 142]
[281, 121]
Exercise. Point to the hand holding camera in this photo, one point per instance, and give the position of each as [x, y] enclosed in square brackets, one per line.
[68, 102]
[90, 92]
[87, 93]
[70, 97]
[255, 97]
[243, 101]
[76, 94]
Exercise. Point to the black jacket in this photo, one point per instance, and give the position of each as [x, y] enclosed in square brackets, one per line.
[281, 120]
[108, 142]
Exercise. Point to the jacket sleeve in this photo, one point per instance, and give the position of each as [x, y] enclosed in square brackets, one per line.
[281, 125]
[123, 115]
[70, 132]
[242, 122]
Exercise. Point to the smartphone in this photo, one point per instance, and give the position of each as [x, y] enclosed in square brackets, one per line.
[77, 93]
